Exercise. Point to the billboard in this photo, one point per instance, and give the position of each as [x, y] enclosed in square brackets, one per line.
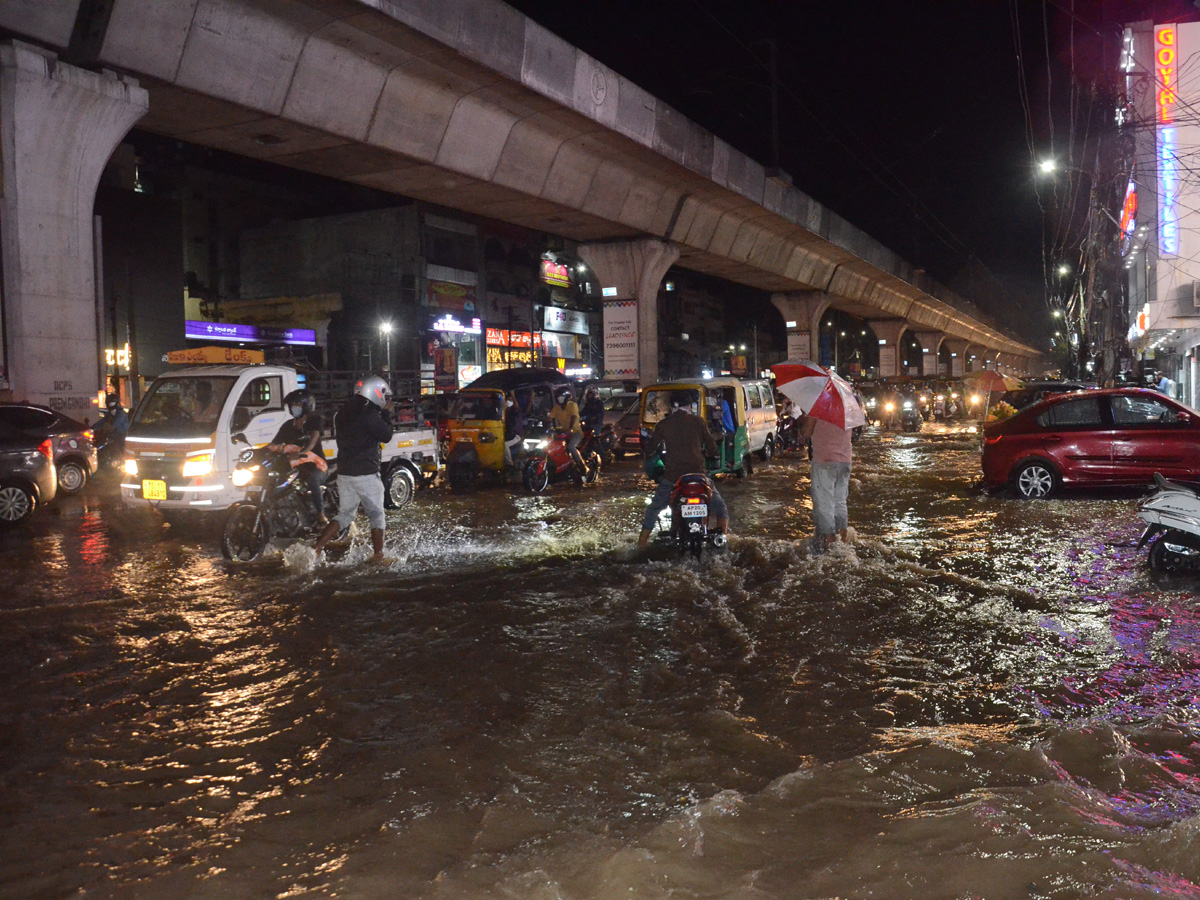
[621, 339]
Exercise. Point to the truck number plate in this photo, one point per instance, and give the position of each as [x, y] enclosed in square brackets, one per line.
[154, 490]
[694, 511]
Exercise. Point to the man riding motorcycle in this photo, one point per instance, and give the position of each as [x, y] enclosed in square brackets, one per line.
[565, 416]
[684, 440]
[302, 432]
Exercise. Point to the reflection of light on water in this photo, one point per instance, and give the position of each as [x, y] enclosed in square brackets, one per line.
[906, 457]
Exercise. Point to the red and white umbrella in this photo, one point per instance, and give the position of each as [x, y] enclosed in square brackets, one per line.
[818, 392]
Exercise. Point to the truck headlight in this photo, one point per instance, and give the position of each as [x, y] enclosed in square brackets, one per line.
[199, 465]
[241, 477]
[131, 466]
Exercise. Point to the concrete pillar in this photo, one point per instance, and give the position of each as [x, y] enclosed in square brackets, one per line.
[889, 332]
[958, 355]
[630, 273]
[802, 313]
[59, 125]
[931, 343]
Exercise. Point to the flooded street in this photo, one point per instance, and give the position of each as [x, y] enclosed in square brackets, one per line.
[979, 698]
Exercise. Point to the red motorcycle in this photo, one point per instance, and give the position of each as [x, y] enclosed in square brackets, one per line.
[691, 501]
[550, 461]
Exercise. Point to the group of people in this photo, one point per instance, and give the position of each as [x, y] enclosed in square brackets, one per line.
[565, 415]
[682, 437]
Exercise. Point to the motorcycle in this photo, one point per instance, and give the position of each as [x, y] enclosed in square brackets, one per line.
[549, 461]
[910, 417]
[788, 433]
[277, 504]
[689, 506]
[603, 444]
[1172, 517]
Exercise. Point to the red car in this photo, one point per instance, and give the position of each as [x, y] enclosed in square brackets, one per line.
[1111, 437]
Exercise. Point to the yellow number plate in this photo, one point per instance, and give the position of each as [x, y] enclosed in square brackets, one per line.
[154, 490]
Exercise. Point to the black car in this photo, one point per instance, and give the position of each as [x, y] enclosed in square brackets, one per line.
[26, 474]
[74, 450]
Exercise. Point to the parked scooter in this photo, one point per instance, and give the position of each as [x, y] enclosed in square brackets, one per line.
[689, 506]
[277, 504]
[1172, 517]
[549, 461]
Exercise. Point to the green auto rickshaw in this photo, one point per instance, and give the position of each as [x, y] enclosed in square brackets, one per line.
[715, 396]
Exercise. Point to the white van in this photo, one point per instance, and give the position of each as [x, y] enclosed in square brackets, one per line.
[761, 417]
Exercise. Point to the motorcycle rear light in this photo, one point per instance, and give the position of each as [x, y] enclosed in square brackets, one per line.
[46, 448]
[693, 499]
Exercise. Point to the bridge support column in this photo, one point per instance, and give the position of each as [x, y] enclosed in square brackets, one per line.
[630, 274]
[958, 355]
[889, 332]
[802, 313]
[931, 343]
[59, 126]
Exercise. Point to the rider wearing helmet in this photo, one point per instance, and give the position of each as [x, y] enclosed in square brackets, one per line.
[299, 436]
[115, 416]
[565, 416]
[592, 413]
[684, 439]
[361, 428]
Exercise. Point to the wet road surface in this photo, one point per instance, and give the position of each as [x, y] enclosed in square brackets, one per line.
[978, 698]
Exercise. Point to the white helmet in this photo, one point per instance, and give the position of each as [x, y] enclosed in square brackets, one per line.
[374, 389]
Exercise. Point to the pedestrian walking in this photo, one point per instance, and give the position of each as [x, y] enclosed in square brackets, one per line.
[832, 451]
[361, 428]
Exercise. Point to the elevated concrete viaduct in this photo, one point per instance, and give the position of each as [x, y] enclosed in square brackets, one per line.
[463, 103]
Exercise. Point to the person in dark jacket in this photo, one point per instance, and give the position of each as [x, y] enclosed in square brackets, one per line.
[361, 428]
[684, 440]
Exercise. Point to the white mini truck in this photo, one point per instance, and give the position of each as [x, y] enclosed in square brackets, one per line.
[180, 453]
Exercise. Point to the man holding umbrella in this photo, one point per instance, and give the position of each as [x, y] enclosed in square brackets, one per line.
[830, 487]
[831, 413]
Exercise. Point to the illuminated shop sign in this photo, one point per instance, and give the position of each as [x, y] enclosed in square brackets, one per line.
[451, 325]
[502, 337]
[1165, 56]
[1129, 215]
[118, 358]
[556, 273]
[263, 334]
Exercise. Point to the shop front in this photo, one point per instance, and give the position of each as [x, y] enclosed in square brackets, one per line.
[454, 348]
[564, 340]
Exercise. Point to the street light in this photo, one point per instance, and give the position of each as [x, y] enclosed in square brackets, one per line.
[385, 328]
[1064, 269]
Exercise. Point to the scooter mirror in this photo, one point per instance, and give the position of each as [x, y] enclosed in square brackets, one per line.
[239, 438]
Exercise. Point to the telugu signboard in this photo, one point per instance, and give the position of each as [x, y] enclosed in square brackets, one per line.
[621, 339]
[196, 356]
[259, 334]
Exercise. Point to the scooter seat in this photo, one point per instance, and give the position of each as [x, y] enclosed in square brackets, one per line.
[1173, 484]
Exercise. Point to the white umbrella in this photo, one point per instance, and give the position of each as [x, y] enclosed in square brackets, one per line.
[819, 393]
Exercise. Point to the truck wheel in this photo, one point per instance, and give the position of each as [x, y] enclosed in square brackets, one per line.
[399, 488]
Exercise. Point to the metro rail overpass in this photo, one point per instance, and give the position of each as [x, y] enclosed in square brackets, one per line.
[464, 103]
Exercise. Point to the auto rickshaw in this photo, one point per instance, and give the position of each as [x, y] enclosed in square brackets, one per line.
[476, 425]
[734, 447]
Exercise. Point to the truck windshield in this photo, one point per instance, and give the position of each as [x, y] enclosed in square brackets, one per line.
[182, 407]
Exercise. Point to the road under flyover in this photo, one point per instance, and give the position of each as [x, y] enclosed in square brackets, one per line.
[462, 103]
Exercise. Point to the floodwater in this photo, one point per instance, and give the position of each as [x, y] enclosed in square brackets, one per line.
[978, 698]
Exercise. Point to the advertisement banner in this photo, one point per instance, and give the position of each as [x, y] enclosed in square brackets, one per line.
[195, 330]
[564, 346]
[445, 368]
[887, 362]
[451, 296]
[621, 339]
[799, 345]
[571, 321]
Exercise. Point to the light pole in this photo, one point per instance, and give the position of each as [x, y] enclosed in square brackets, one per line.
[385, 328]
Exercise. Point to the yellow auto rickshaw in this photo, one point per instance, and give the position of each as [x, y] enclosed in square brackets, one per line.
[722, 403]
[476, 436]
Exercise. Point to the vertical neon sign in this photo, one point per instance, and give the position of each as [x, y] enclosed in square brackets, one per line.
[1165, 56]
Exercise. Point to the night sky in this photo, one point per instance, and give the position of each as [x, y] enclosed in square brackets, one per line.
[903, 116]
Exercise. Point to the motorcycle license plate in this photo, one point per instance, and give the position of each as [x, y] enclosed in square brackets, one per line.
[154, 490]
[694, 511]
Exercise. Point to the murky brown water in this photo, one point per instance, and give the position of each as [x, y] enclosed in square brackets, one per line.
[980, 698]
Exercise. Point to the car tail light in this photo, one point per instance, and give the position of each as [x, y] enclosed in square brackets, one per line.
[46, 448]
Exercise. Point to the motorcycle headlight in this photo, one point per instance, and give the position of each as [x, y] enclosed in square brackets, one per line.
[890, 407]
[241, 477]
[536, 444]
[198, 465]
[131, 467]
[908, 404]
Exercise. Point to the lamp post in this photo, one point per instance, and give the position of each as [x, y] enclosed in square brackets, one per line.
[385, 329]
